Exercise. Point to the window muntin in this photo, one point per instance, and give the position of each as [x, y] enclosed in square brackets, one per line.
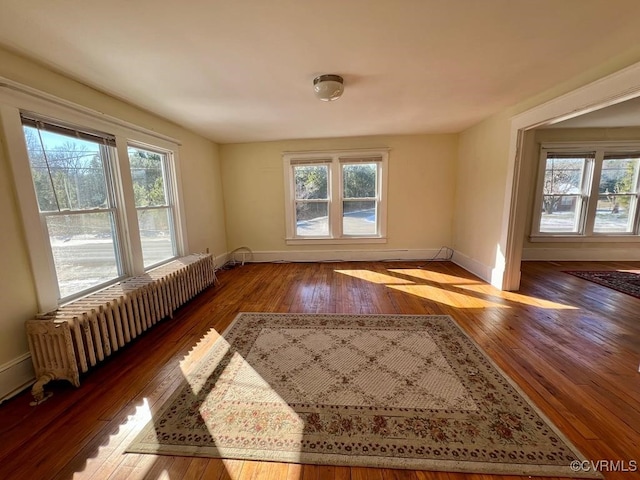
[335, 196]
[593, 194]
[72, 182]
[154, 205]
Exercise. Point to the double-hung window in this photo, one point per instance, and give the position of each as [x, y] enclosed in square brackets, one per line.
[72, 178]
[336, 196]
[102, 206]
[587, 192]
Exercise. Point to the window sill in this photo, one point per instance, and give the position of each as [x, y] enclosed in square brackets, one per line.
[630, 238]
[335, 241]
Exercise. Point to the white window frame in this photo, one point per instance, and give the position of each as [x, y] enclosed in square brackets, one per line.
[589, 195]
[170, 189]
[334, 159]
[15, 98]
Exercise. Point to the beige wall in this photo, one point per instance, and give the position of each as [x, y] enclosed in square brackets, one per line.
[483, 165]
[573, 250]
[202, 194]
[421, 191]
[480, 190]
[201, 184]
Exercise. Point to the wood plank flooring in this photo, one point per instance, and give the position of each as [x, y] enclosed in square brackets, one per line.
[572, 346]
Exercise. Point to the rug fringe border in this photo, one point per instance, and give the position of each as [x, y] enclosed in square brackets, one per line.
[533, 404]
[370, 461]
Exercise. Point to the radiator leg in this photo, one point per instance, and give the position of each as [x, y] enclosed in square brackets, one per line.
[37, 390]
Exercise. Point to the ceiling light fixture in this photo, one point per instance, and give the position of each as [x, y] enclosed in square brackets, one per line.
[328, 87]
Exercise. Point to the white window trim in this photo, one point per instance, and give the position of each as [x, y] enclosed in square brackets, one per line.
[592, 172]
[175, 206]
[335, 158]
[14, 98]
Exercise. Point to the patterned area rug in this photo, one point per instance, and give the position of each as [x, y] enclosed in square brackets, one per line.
[394, 391]
[625, 282]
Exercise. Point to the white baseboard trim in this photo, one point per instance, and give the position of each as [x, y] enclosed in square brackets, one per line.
[16, 376]
[220, 260]
[629, 254]
[344, 255]
[472, 265]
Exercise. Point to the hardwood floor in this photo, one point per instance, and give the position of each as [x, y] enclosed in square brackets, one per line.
[573, 347]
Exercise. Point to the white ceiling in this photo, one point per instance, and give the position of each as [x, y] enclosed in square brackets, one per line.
[242, 70]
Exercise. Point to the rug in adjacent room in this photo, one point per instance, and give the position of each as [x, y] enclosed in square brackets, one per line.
[623, 281]
[392, 391]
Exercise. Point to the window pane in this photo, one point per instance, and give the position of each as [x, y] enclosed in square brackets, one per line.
[618, 175]
[615, 210]
[563, 176]
[311, 181]
[156, 235]
[562, 193]
[560, 214]
[312, 219]
[359, 217]
[68, 173]
[148, 179]
[359, 180]
[84, 250]
[614, 214]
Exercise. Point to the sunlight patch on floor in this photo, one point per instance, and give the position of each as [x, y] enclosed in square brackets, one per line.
[479, 287]
[440, 295]
[200, 348]
[141, 417]
[434, 276]
[233, 390]
[122, 436]
[241, 376]
[239, 382]
[233, 468]
[375, 277]
[519, 298]
[196, 382]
